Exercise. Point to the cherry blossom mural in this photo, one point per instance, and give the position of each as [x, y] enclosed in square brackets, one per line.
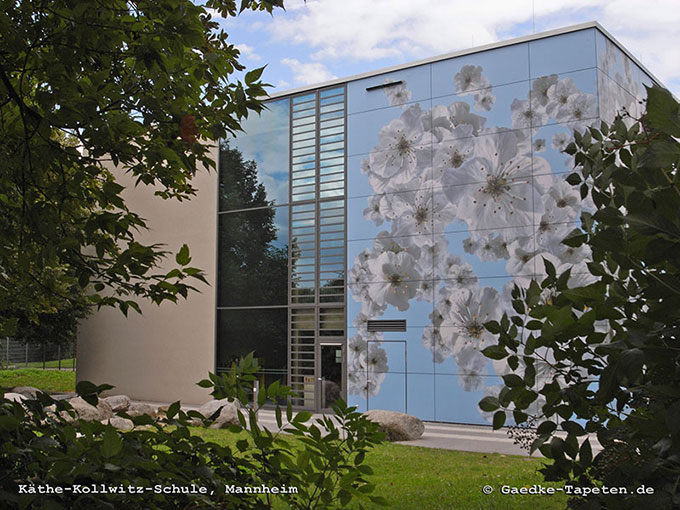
[464, 196]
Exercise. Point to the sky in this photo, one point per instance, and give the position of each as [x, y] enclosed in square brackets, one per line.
[318, 40]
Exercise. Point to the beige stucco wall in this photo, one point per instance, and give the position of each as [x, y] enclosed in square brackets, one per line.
[161, 354]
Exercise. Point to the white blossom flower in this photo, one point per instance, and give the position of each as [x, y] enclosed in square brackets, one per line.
[488, 247]
[539, 145]
[470, 380]
[540, 87]
[403, 150]
[527, 113]
[456, 271]
[503, 196]
[521, 261]
[421, 212]
[432, 341]
[397, 95]
[444, 119]
[469, 79]
[425, 288]
[379, 209]
[579, 108]
[484, 99]
[554, 224]
[385, 241]
[455, 148]
[565, 196]
[561, 140]
[463, 328]
[394, 282]
[364, 384]
[431, 252]
[559, 95]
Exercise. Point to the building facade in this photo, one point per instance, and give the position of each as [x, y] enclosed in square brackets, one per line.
[368, 227]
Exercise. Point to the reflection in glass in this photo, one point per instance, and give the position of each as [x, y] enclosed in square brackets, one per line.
[261, 330]
[253, 257]
[331, 374]
[259, 168]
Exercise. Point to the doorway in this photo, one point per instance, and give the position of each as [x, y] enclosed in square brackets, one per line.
[331, 375]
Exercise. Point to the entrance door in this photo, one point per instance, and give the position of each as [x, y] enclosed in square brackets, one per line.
[331, 380]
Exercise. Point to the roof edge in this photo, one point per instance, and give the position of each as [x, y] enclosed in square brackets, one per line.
[460, 53]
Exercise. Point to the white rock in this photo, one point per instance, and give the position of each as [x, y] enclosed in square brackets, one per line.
[89, 412]
[15, 397]
[27, 391]
[120, 423]
[138, 409]
[397, 426]
[118, 402]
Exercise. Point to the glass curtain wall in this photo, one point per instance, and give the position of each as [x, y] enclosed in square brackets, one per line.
[253, 243]
[281, 239]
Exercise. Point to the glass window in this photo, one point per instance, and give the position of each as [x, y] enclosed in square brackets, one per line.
[261, 330]
[253, 258]
[254, 165]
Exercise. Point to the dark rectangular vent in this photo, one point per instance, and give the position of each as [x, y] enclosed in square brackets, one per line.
[387, 325]
[384, 85]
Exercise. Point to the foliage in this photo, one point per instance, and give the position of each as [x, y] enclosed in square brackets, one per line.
[40, 445]
[45, 380]
[330, 471]
[411, 477]
[143, 85]
[603, 358]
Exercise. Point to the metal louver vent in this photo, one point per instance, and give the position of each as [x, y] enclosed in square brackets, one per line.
[387, 325]
[384, 85]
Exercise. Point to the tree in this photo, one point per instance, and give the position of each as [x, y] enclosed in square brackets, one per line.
[144, 85]
[611, 346]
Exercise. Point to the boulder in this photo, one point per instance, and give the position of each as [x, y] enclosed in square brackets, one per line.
[118, 402]
[210, 407]
[397, 426]
[27, 391]
[16, 397]
[162, 411]
[120, 423]
[88, 412]
[228, 415]
[138, 409]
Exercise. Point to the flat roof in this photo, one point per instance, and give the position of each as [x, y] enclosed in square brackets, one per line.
[476, 49]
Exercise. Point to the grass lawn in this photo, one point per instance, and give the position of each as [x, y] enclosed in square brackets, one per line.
[65, 363]
[410, 477]
[47, 380]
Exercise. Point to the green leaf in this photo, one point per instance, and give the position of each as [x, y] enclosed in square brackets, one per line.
[495, 352]
[254, 75]
[111, 443]
[498, 419]
[489, 404]
[513, 380]
[662, 111]
[586, 453]
[546, 428]
[173, 410]
[182, 257]
[301, 417]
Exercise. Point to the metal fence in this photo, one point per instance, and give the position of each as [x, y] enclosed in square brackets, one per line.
[16, 354]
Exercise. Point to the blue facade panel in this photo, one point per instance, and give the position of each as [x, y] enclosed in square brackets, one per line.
[456, 196]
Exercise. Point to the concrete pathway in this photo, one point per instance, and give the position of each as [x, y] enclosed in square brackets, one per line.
[445, 436]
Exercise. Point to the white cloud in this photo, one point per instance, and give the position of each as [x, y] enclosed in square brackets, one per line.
[307, 73]
[248, 52]
[403, 29]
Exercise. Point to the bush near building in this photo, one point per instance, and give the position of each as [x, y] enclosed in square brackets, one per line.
[603, 358]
